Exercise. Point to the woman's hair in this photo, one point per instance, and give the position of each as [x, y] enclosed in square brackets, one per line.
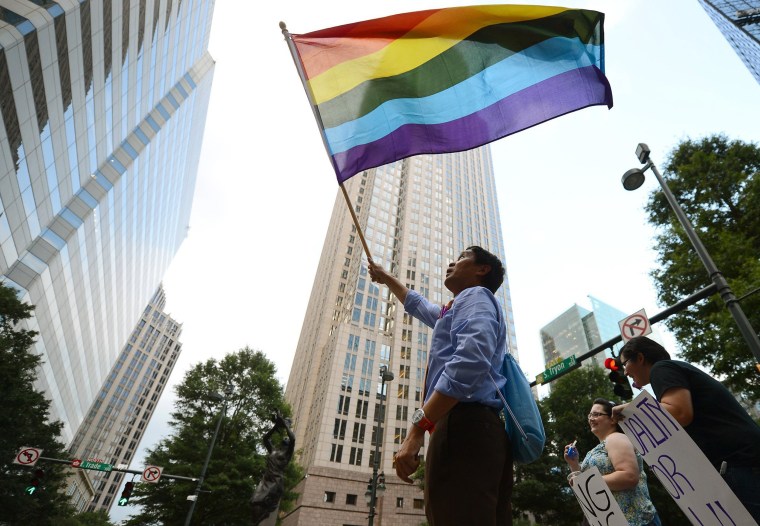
[608, 405]
[651, 350]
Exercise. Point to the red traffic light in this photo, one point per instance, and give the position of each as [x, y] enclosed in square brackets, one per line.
[613, 364]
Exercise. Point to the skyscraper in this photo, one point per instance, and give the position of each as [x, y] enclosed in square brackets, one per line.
[417, 215]
[739, 21]
[578, 330]
[116, 422]
[103, 105]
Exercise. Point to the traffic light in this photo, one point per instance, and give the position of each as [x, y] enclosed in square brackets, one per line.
[35, 485]
[126, 493]
[621, 387]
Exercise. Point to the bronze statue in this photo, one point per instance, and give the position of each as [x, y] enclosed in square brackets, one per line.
[266, 498]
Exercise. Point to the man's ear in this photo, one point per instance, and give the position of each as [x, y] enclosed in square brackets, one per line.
[483, 270]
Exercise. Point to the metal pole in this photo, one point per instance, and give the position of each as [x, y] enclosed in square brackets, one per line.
[375, 463]
[750, 336]
[205, 464]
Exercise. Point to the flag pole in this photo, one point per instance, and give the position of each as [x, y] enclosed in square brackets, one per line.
[302, 76]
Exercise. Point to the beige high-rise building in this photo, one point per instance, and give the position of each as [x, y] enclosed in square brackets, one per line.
[417, 215]
[117, 419]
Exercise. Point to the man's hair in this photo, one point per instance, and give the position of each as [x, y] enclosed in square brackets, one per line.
[493, 280]
[651, 350]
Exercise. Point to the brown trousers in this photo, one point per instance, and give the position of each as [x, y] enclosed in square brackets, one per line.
[468, 469]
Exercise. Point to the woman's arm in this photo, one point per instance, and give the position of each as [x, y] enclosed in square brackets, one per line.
[623, 458]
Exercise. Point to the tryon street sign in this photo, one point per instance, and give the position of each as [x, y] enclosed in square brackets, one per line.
[557, 370]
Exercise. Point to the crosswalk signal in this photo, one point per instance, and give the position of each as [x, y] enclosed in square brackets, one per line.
[124, 500]
[36, 484]
[621, 387]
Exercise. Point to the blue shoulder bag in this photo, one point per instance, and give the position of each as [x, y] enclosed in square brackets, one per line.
[521, 415]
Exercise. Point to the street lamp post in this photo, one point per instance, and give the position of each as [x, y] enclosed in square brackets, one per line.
[633, 179]
[194, 497]
[377, 482]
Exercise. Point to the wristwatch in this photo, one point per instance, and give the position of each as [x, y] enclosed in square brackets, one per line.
[420, 420]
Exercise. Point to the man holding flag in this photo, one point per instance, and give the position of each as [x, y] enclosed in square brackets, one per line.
[468, 467]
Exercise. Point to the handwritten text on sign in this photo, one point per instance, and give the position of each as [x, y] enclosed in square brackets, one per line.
[596, 500]
[680, 465]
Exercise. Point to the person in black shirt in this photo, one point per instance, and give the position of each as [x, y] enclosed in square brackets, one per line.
[707, 411]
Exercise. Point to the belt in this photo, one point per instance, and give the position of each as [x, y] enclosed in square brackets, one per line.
[476, 405]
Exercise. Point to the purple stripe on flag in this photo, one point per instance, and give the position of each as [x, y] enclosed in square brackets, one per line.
[539, 103]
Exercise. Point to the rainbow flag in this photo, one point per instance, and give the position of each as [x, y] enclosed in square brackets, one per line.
[448, 80]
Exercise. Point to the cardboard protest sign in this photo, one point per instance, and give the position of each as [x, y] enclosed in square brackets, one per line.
[596, 499]
[680, 465]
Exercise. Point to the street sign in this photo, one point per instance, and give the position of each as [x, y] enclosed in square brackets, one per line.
[151, 474]
[75, 463]
[637, 324]
[557, 370]
[27, 456]
[97, 466]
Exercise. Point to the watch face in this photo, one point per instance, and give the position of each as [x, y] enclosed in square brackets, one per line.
[418, 415]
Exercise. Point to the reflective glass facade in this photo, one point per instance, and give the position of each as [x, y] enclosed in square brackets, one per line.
[117, 419]
[577, 330]
[102, 110]
[417, 215]
[739, 21]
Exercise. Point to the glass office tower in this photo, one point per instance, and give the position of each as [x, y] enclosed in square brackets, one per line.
[578, 330]
[102, 110]
[417, 215]
[739, 21]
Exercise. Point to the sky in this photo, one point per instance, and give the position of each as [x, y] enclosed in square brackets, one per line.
[266, 188]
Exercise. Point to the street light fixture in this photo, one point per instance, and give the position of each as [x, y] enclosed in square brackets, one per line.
[377, 482]
[633, 179]
[228, 390]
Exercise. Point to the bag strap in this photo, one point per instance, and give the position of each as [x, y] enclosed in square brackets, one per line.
[509, 409]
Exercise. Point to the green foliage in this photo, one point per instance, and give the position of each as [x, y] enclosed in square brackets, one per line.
[238, 459]
[541, 487]
[25, 412]
[716, 183]
[88, 518]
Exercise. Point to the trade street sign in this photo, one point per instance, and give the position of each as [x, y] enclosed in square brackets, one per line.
[557, 370]
[27, 456]
[97, 466]
[152, 474]
[637, 324]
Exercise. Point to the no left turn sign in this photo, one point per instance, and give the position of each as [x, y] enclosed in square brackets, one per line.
[637, 324]
[151, 474]
[27, 456]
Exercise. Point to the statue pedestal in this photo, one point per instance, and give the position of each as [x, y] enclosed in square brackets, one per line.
[270, 520]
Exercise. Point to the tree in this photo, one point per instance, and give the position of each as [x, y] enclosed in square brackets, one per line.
[24, 415]
[716, 182]
[238, 458]
[541, 487]
[87, 518]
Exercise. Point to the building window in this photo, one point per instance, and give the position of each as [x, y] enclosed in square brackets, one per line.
[329, 496]
[419, 504]
[355, 456]
[399, 502]
[336, 453]
[351, 500]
